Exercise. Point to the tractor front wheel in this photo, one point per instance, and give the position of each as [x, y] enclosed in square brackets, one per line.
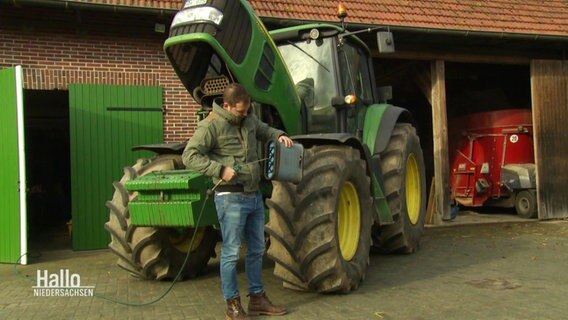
[320, 229]
[150, 252]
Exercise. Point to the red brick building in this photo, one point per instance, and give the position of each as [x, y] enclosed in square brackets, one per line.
[82, 44]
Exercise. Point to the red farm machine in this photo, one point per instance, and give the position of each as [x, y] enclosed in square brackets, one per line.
[492, 160]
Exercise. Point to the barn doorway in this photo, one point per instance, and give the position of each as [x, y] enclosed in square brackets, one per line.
[47, 148]
[470, 88]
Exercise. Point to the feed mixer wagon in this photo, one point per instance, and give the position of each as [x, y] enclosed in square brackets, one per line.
[492, 160]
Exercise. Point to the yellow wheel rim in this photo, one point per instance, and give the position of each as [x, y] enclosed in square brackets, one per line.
[181, 240]
[349, 221]
[413, 191]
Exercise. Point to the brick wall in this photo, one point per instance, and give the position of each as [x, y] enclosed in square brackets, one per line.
[57, 47]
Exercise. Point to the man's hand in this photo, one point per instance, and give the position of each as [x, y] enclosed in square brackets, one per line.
[286, 141]
[228, 174]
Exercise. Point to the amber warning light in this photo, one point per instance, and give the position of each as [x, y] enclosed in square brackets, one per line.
[341, 11]
[350, 99]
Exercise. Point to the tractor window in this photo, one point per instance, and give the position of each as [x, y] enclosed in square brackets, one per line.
[311, 67]
[353, 64]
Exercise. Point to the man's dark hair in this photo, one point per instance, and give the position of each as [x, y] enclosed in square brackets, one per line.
[235, 93]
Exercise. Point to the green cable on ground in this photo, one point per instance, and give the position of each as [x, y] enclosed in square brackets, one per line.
[141, 304]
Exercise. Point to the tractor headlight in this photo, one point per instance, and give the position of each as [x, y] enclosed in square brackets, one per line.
[198, 14]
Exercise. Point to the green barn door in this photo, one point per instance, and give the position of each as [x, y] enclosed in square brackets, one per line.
[13, 223]
[105, 122]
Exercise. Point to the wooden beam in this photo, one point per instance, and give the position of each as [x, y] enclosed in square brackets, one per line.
[431, 207]
[549, 94]
[453, 57]
[440, 125]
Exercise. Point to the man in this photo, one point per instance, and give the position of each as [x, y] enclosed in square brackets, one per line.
[224, 147]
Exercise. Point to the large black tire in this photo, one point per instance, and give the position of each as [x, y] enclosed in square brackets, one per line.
[402, 169]
[320, 229]
[525, 204]
[149, 252]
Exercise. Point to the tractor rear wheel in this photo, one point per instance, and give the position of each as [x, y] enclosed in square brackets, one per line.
[150, 252]
[320, 229]
[402, 168]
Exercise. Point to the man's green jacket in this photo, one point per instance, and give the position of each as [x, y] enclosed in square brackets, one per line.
[225, 140]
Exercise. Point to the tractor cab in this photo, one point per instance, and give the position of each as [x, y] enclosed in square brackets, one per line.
[331, 73]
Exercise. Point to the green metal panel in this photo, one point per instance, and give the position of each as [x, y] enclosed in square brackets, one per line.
[171, 199]
[188, 48]
[12, 215]
[169, 180]
[105, 122]
[373, 116]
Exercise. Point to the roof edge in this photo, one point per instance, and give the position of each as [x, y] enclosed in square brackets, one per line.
[456, 32]
[70, 4]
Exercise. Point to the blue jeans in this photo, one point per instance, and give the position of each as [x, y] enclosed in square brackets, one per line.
[241, 216]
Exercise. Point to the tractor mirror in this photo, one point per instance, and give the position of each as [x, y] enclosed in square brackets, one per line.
[338, 102]
[385, 41]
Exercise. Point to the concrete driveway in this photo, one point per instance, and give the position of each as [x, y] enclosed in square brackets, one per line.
[508, 270]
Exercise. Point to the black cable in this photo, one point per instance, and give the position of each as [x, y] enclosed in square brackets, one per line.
[178, 276]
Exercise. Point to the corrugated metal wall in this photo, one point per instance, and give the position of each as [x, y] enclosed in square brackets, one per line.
[549, 86]
[9, 194]
[105, 122]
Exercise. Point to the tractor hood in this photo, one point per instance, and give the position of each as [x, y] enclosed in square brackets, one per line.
[215, 39]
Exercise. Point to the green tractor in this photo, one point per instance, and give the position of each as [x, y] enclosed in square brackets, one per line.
[363, 185]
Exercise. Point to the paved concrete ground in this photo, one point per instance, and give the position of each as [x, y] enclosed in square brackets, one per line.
[510, 270]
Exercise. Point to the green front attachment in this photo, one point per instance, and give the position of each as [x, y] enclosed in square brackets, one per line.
[171, 199]
[230, 41]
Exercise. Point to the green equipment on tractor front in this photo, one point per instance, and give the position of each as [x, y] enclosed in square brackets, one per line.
[363, 184]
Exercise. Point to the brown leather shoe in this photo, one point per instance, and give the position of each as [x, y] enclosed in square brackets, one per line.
[260, 304]
[235, 310]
